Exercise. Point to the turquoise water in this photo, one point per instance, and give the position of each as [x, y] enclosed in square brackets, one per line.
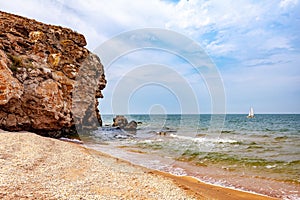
[263, 149]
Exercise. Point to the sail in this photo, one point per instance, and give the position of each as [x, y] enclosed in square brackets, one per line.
[251, 113]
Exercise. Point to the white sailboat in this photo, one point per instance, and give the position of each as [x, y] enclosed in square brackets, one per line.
[251, 113]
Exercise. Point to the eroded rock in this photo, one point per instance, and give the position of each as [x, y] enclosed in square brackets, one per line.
[40, 65]
[122, 122]
[131, 126]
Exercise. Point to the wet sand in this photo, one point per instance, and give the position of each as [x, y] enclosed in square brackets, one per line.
[35, 167]
[208, 191]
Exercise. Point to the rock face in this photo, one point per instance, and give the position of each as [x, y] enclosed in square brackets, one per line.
[40, 67]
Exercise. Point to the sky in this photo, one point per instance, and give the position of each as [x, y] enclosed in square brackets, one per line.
[252, 46]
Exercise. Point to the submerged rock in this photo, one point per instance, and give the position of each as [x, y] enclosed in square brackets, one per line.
[40, 65]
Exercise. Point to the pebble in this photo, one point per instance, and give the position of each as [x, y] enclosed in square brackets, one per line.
[45, 168]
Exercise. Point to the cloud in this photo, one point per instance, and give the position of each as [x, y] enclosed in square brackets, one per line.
[236, 26]
[220, 49]
[288, 3]
[277, 42]
[109, 18]
[240, 29]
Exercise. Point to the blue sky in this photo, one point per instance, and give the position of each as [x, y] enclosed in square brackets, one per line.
[255, 45]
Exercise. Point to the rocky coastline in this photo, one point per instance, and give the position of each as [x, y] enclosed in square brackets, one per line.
[50, 85]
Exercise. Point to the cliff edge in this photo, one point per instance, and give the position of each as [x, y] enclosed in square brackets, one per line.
[40, 66]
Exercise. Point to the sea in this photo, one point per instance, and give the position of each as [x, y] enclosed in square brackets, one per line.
[258, 155]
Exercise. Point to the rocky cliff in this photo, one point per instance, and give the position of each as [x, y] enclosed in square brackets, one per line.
[40, 67]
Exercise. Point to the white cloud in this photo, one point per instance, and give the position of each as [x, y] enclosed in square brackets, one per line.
[288, 3]
[277, 42]
[220, 49]
[109, 18]
[202, 14]
[241, 28]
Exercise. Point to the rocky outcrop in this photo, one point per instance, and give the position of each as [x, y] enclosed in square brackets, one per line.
[131, 126]
[40, 68]
[122, 122]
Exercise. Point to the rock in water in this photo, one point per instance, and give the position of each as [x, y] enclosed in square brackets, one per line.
[40, 66]
[131, 126]
[120, 121]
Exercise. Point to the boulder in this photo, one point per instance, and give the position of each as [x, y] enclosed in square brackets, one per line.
[120, 121]
[42, 71]
[131, 126]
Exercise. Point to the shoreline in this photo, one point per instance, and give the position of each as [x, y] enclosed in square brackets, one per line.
[195, 186]
[37, 166]
[211, 191]
[211, 175]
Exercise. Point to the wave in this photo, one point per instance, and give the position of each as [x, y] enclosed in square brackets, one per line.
[232, 160]
[71, 140]
[203, 139]
[110, 133]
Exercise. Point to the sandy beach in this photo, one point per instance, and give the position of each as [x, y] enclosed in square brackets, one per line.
[35, 167]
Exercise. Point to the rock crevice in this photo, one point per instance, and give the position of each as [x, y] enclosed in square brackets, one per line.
[40, 65]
